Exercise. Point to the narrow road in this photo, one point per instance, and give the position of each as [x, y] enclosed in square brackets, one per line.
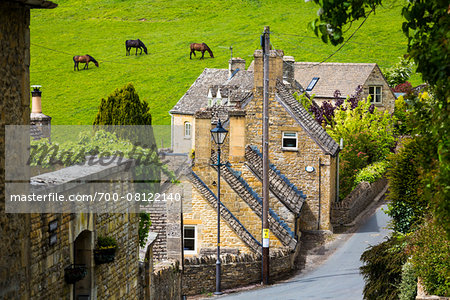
[337, 278]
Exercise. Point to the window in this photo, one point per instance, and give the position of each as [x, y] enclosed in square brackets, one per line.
[289, 140]
[375, 93]
[187, 129]
[312, 84]
[190, 239]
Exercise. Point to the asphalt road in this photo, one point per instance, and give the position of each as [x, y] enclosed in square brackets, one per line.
[337, 278]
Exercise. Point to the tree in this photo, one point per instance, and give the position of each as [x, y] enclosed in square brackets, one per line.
[427, 27]
[399, 73]
[123, 108]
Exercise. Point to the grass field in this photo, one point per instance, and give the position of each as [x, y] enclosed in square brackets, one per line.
[100, 28]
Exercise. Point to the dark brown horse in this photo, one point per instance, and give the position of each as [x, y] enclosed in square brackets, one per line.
[83, 59]
[200, 47]
[138, 44]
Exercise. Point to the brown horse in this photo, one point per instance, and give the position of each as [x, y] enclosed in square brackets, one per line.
[200, 47]
[83, 59]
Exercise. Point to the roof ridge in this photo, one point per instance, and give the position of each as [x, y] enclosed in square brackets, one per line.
[334, 63]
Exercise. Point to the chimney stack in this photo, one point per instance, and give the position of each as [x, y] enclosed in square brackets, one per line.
[275, 68]
[288, 70]
[40, 123]
[234, 64]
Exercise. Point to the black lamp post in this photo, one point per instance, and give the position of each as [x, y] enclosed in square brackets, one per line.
[218, 134]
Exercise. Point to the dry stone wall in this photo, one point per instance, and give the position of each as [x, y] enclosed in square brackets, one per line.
[237, 270]
[346, 211]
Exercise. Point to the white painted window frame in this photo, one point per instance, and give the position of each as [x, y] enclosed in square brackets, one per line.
[283, 136]
[374, 94]
[187, 130]
[195, 251]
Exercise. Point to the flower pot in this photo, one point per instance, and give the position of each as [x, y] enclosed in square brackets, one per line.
[74, 273]
[103, 256]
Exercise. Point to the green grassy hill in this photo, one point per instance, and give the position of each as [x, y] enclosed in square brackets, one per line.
[100, 28]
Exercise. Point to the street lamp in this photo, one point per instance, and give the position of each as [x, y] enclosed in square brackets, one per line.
[218, 134]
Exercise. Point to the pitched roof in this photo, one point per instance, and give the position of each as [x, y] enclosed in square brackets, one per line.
[197, 95]
[344, 77]
[306, 121]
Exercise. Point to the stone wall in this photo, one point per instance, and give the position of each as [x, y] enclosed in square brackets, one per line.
[166, 281]
[112, 280]
[376, 78]
[14, 109]
[346, 211]
[199, 274]
[181, 143]
[318, 186]
[158, 217]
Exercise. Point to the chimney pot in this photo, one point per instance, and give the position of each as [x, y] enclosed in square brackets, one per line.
[36, 105]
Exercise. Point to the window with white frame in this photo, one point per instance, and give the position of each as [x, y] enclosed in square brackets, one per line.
[187, 129]
[190, 239]
[289, 141]
[375, 92]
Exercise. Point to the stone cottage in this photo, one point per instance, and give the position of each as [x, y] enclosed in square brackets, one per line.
[323, 79]
[303, 161]
[43, 252]
[219, 86]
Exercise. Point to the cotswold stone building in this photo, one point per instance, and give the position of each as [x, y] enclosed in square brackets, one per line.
[323, 79]
[39, 250]
[303, 161]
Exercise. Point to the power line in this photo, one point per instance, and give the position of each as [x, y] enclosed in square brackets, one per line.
[343, 44]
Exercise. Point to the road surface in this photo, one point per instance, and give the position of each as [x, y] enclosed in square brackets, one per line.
[337, 278]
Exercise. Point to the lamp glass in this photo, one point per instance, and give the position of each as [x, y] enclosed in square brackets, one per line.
[219, 134]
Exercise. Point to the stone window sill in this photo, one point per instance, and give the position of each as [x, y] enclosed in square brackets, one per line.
[289, 150]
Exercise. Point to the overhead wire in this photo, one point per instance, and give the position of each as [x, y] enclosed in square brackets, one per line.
[342, 46]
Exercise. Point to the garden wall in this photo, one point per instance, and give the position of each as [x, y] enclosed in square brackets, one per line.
[237, 270]
[346, 211]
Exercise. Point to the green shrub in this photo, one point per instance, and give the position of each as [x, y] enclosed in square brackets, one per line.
[407, 205]
[371, 173]
[400, 72]
[430, 249]
[106, 242]
[368, 138]
[144, 228]
[401, 117]
[408, 285]
[382, 269]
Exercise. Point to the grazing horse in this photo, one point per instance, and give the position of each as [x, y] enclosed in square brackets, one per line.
[83, 59]
[200, 47]
[138, 44]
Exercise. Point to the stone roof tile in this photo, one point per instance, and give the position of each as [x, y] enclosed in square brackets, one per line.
[197, 95]
[344, 77]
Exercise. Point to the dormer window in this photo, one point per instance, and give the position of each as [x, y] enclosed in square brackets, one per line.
[312, 84]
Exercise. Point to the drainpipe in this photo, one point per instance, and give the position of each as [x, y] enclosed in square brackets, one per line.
[341, 146]
[171, 131]
[320, 191]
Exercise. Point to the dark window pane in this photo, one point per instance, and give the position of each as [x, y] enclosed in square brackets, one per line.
[289, 143]
[189, 244]
[189, 232]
